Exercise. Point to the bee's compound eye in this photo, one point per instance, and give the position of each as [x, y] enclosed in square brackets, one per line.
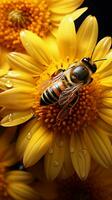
[81, 73]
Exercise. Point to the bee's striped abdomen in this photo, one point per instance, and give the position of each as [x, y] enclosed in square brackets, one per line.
[52, 93]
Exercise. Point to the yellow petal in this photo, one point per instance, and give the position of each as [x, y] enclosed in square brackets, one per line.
[56, 18]
[19, 176]
[14, 79]
[16, 118]
[106, 118]
[106, 81]
[106, 111]
[37, 147]
[100, 123]
[53, 48]
[25, 135]
[64, 6]
[36, 47]
[25, 62]
[20, 75]
[80, 156]
[77, 13]
[18, 99]
[55, 157]
[102, 48]
[107, 94]
[67, 168]
[106, 74]
[107, 102]
[99, 146]
[109, 55]
[20, 191]
[106, 65]
[87, 37]
[66, 38]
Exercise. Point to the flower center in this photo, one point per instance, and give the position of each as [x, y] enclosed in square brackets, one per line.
[75, 116]
[3, 187]
[18, 14]
[17, 18]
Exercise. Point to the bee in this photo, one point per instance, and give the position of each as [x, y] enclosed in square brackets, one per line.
[65, 86]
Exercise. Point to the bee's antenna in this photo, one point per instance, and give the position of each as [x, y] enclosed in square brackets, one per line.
[100, 59]
[92, 52]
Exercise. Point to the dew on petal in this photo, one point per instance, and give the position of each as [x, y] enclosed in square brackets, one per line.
[9, 84]
[28, 136]
[10, 117]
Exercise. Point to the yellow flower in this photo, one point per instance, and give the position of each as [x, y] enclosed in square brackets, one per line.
[97, 186]
[14, 184]
[85, 131]
[39, 16]
[18, 185]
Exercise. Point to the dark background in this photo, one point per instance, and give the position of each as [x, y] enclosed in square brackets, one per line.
[100, 9]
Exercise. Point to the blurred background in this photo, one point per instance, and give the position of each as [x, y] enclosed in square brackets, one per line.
[100, 9]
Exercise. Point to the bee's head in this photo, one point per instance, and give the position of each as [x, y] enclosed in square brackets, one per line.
[91, 65]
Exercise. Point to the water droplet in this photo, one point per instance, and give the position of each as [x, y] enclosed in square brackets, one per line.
[9, 84]
[28, 136]
[56, 163]
[10, 117]
[51, 151]
[71, 149]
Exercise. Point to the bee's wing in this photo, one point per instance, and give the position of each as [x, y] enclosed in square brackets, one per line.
[58, 77]
[63, 112]
[68, 94]
[49, 82]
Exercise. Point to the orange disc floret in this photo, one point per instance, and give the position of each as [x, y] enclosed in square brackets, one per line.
[22, 14]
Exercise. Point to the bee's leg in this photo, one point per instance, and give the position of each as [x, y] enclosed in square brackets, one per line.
[67, 108]
[62, 114]
[91, 79]
[74, 102]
